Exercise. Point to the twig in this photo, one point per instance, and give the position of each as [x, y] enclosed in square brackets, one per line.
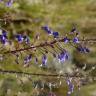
[47, 44]
[35, 74]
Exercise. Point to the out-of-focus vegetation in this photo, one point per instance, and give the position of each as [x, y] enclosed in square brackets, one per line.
[27, 16]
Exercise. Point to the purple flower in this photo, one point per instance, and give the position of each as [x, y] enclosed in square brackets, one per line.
[4, 33]
[55, 34]
[28, 59]
[69, 81]
[66, 40]
[75, 40]
[83, 49]
[70, 86]
[46, 28]
[9, 3]
[63, 56]
[3, 37]
[44, 60]
[19, 38]
[86, 50]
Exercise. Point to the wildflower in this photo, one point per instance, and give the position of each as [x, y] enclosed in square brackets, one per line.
[63, 56]
[4, 33]
[3, 37]
[66, 40]
[70, 85]
[19, 38]
[69, 81]
[46, 28]
[83, 49]
[55, 34]
[44, 60]
[28, 59]
[86, 50]
[75, 40]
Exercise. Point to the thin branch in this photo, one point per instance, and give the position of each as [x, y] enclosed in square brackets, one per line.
[36, 74]
[47, 44]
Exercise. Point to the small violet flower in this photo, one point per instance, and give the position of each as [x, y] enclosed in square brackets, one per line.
[83, 49]
[44, 60]
[75, 40]
[71, 86]
[63, 56]
[19, 38]
[46, 28]
[66, 40]
[4, 33]
[27, 59]
[3, 37]
[55, 34]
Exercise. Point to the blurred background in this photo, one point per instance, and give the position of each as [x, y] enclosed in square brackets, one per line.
[27, 17]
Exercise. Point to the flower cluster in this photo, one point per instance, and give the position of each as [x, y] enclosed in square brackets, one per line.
[75, 40]
[83, 49]
[22, 38]
[63, 56]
